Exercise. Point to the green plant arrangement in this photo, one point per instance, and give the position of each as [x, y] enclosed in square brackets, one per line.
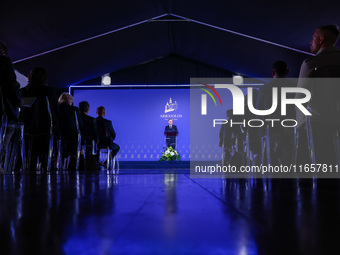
[170, 154]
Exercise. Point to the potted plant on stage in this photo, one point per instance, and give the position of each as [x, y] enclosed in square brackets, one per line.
[170, 154]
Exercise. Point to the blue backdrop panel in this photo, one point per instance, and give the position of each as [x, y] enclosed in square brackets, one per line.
[139, 117]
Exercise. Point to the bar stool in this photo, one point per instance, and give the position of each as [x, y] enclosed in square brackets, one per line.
[308, 128]
[265, 148]
[112, 164]
[12, 154]
[247, 154]
[79, 141]
[236, 154]
[3, 126]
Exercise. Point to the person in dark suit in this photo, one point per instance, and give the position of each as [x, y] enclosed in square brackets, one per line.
[69, 128]
[90, 135]
[37, 118]
[10, 100]
[171, 132]
[106, 133]
[38, 87]
[90, 132]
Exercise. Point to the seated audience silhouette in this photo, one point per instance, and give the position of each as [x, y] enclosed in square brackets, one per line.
[36, 118]
[106, 133]
[10, 101]
[69, 128]
[281, 138]
[90, 134]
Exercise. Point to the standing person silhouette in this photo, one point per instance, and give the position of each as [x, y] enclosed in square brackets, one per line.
[10, 100]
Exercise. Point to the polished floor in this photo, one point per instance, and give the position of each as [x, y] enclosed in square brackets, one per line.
[166, 212]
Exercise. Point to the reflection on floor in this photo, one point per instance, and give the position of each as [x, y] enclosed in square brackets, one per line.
[166, 212]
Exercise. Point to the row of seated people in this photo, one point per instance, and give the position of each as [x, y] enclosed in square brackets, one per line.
[48, 119]
[244, 145]
[316, 140]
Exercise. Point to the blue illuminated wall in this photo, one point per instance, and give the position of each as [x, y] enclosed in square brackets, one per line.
[139, 118]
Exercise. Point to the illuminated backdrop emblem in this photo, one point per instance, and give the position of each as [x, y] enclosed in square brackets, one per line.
[171, 110]
[170, 106]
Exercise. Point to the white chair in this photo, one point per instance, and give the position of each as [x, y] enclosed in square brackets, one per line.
[111, 164]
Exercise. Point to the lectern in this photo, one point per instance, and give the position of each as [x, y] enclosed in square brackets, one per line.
[171, 138]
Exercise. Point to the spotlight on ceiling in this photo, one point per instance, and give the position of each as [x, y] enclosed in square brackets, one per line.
[106, 79]
[237, 79]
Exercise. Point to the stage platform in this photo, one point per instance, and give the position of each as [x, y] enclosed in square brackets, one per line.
[180, 165]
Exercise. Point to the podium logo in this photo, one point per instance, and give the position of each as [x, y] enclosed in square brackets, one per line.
[170, 106]
[239, 100]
